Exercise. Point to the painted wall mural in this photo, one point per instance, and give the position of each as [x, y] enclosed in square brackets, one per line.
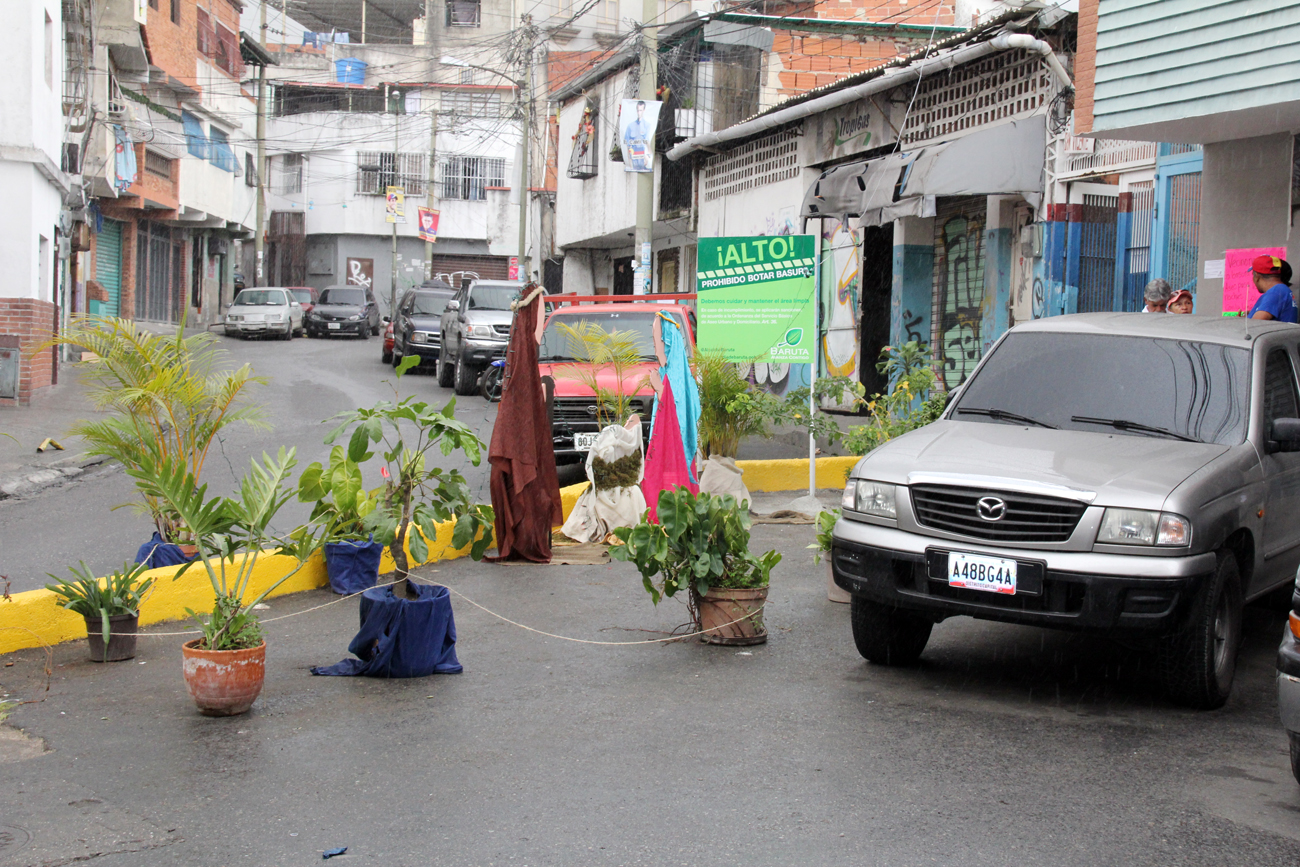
[842, 286]
[959, 269]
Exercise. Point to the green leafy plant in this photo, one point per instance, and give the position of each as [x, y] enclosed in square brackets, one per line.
[731, 408]
[914, 400]
[825, 524]
[341, 502]
[839, 390]
[232, 533]
[168, 397]
[597, 351]
[699, 542]
[119, 593]
[415, 493]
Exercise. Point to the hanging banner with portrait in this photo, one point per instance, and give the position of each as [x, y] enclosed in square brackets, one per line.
[637, 120]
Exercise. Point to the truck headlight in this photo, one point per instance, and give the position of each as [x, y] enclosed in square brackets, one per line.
[481, 331]
[354, 317]
[1141, 527]
[870, 498]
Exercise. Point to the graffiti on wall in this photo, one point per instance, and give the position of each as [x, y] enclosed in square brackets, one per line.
[959, 266]
[842, 270]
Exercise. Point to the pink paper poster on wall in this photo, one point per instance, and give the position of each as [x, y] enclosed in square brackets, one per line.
[1239, 293]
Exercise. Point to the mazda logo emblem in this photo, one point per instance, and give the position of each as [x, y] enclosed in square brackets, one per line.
[991, 508]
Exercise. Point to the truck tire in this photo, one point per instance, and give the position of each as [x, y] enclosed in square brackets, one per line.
[464, 381]
[1295, 755]
[886, 635]
[445, 372]
[1197, 664]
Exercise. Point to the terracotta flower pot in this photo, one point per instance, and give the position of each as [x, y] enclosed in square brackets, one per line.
[190, 551]
[121, 638]
[719, 608]
[223, 682]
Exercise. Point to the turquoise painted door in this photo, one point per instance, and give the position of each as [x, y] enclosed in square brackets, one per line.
[108, 265]
[1176, 223]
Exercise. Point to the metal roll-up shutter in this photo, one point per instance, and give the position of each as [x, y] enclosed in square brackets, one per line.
[108, 264]
[451, 269]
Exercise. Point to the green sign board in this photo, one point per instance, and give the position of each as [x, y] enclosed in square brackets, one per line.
[756, 298]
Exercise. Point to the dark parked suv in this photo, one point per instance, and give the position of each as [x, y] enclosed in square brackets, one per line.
[418, 327]
[1105, 471]
[344, 310]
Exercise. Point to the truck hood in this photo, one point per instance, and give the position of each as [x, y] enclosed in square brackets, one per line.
[489, 317]
[1122, 470]
[635, 381]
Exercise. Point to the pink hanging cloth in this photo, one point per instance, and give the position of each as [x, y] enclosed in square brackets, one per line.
[665, 458]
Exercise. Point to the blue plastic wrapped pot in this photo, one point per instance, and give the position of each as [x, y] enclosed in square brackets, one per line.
[353, 566]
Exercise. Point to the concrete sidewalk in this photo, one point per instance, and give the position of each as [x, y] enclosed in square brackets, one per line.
[1007, 745]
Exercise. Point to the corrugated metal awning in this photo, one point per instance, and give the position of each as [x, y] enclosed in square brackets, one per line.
[854, 189]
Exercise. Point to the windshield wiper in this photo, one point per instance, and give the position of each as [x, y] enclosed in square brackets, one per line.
[1004, 415]
[1125, 424]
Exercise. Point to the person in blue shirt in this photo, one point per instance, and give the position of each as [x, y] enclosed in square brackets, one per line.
[636, 141]
[1272, 278]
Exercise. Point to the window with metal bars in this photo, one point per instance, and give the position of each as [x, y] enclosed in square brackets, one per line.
[757, 163]
[291, 173]
[467, 178]
[157, 165]
[1006, 84]
[377, 171]
[463, 13]
[468, 104]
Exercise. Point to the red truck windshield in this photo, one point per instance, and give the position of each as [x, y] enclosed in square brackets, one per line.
[556, 344]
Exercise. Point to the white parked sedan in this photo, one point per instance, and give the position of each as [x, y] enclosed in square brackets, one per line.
[264, 311]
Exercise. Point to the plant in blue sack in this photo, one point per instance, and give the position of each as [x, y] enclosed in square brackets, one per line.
[415, 494]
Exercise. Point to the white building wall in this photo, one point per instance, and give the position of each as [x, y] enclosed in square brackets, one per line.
[30, 143]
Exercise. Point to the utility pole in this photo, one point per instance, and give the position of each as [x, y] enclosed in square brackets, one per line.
[645, 181]
[431, 199]
[525, 128]
[259, 236]
[392, 101]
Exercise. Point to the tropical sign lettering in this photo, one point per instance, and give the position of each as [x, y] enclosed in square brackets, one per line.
[851, 129]
[755, 298]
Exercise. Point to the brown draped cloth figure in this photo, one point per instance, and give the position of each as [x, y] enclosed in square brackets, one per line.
[525, 487]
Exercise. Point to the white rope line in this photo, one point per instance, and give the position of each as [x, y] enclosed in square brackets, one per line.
[501, 617]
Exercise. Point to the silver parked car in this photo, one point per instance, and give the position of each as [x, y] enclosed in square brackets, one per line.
[474, 329]
[270, 310]
[1106, 471]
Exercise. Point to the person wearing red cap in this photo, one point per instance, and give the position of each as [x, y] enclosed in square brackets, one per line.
[1272, 275]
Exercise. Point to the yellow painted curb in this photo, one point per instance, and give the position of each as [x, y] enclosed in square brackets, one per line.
[34, 617]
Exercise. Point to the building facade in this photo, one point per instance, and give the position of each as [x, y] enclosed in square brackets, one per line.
[1225, 79]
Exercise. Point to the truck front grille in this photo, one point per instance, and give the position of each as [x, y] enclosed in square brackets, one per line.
[582, 410]
[1028, 518]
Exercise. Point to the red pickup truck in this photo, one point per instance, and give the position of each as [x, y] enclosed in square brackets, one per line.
[570, 404]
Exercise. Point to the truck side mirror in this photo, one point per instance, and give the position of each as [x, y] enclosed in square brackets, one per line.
[453, 305]
[1284, 435]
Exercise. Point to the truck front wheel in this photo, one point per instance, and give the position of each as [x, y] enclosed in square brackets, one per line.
[1197, 663]
[886, 635]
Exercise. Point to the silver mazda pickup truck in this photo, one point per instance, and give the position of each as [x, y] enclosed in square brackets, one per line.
[1106, 471]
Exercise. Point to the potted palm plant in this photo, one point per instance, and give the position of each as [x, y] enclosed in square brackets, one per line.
[168, 396]
[731, 409]
[111, 607]
[701, 544]
[225, 668]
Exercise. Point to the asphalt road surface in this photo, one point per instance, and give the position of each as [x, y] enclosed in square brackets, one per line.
[1006, 746]
[309, 381]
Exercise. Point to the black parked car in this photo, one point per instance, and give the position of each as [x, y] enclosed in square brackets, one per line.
[418, 328]
[344, 310]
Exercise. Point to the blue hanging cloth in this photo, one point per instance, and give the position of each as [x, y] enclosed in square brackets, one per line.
[124, 166]
[402, 637]
[686, 393]
[156, 553]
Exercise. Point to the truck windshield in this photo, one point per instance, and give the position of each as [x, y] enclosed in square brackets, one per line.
[557, 346]
[1125, 386]
[489, 297]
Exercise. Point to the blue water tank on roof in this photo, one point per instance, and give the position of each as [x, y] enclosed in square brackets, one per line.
[349, 70]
